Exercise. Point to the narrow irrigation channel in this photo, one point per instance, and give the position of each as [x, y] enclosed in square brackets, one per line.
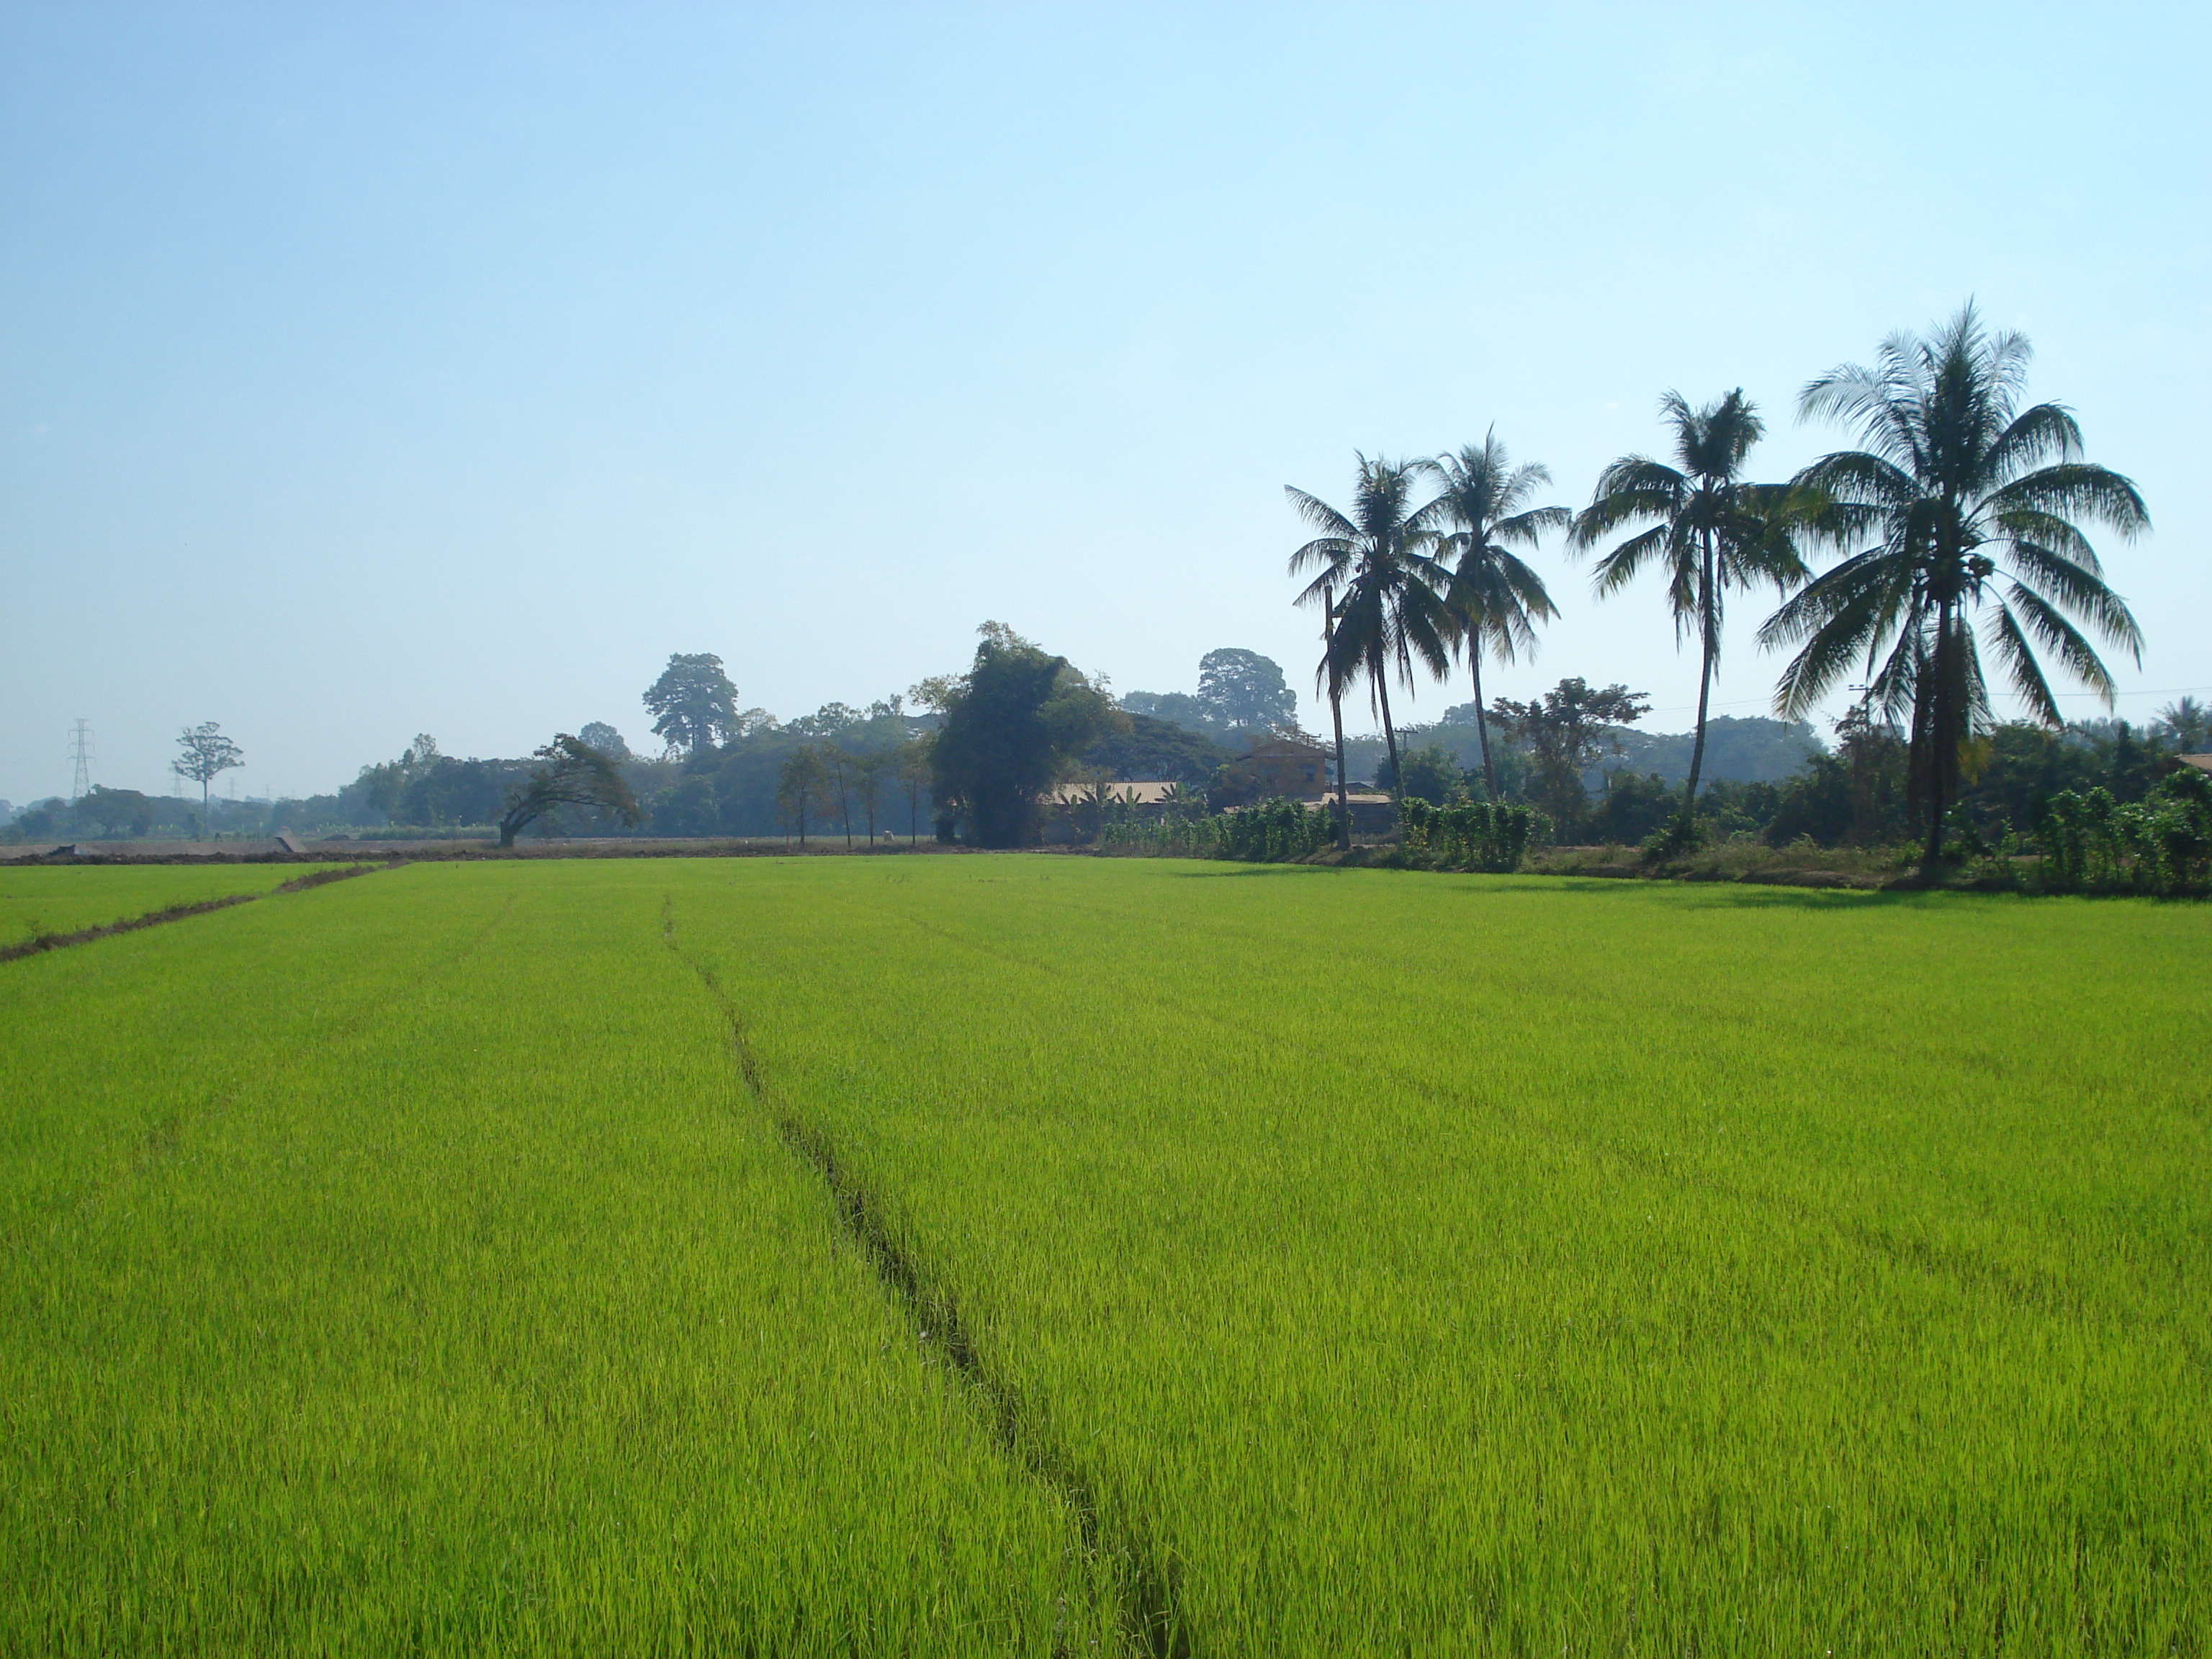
[1151, 1609]
[40, 943]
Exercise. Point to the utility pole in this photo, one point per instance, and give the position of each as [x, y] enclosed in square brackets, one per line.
[80, 761]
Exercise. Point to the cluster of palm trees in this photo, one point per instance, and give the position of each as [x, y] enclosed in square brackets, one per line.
[1957, 525]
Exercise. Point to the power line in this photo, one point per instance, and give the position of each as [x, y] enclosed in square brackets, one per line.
[1745, 702]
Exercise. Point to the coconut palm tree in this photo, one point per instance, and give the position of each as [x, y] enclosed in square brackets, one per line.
[1380, 561]
[1710, 531]
[1970, 503]
[1495, 600]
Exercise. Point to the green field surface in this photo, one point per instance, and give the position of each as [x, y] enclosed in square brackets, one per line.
[64, 898]
[1002, 1254]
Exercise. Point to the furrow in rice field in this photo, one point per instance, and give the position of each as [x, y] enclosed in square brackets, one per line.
[1490, 1264]
[1151, 1620]
[1335, 1262]
[402, 1274]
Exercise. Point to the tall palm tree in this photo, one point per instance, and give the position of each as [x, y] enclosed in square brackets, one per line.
[1710, 531]
[1956, 484]
[1379, 558]
[1495, 600]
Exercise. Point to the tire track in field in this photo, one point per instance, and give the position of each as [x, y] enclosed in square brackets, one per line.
[1151, 1612]
[40, 944]
[2021, 1286]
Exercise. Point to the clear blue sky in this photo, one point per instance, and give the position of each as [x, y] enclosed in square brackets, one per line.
[374, 368]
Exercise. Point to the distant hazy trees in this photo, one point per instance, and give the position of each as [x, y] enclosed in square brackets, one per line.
[693, 704]
[203, 755]
[2187, 724]
[115, 812]
[1242, 691]
[605, 739]
[571, 773]
[800, 783]
[1961, 505]
[1012, 724]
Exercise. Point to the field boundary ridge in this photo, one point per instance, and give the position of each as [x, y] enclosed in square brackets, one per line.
[39, 944]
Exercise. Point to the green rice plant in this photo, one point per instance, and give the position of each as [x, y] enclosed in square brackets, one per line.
[40, 899]
[408, 1271]
[1020, 1253]
[1416, 1263]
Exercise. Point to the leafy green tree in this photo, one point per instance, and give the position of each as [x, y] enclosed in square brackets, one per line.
[801, 783]
[115, 812]
[1566, 732]
[693, 704]
[1495, 599]
[1969, 505]
[204, 754]
[1433, 774]
[1709, 531]
[572, 774]
[1379, 558]
[1013, 725]
[1242, 691]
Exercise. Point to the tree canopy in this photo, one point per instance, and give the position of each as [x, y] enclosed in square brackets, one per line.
[1244, 691]
[204, 754]
[693, 704]
[1961, 505]
[1013, 725]
[1566, 731]
[573, 773]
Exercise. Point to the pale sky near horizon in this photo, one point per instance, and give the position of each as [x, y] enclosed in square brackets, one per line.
[371, 369]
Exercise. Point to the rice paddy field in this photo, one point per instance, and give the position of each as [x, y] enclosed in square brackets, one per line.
[37, 899]
[1057, 1255]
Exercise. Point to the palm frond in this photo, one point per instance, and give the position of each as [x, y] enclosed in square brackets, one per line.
[2047, 432]
[1320, 514]
[2027, 674]
[2079, 591]
[2077, 489]
[1620, 567]
[2063, 640]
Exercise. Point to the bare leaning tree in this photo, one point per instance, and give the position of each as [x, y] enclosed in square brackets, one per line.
[203, 755]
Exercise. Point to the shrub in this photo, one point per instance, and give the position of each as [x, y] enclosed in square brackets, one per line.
[2163, 845]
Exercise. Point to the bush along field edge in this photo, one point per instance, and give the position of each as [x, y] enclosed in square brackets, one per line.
[2085, 843]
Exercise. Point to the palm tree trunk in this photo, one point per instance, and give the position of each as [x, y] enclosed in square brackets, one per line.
[1706, 643]
[1389, 733]
[1482, 728]
[1335, 715]
[1939, 734]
